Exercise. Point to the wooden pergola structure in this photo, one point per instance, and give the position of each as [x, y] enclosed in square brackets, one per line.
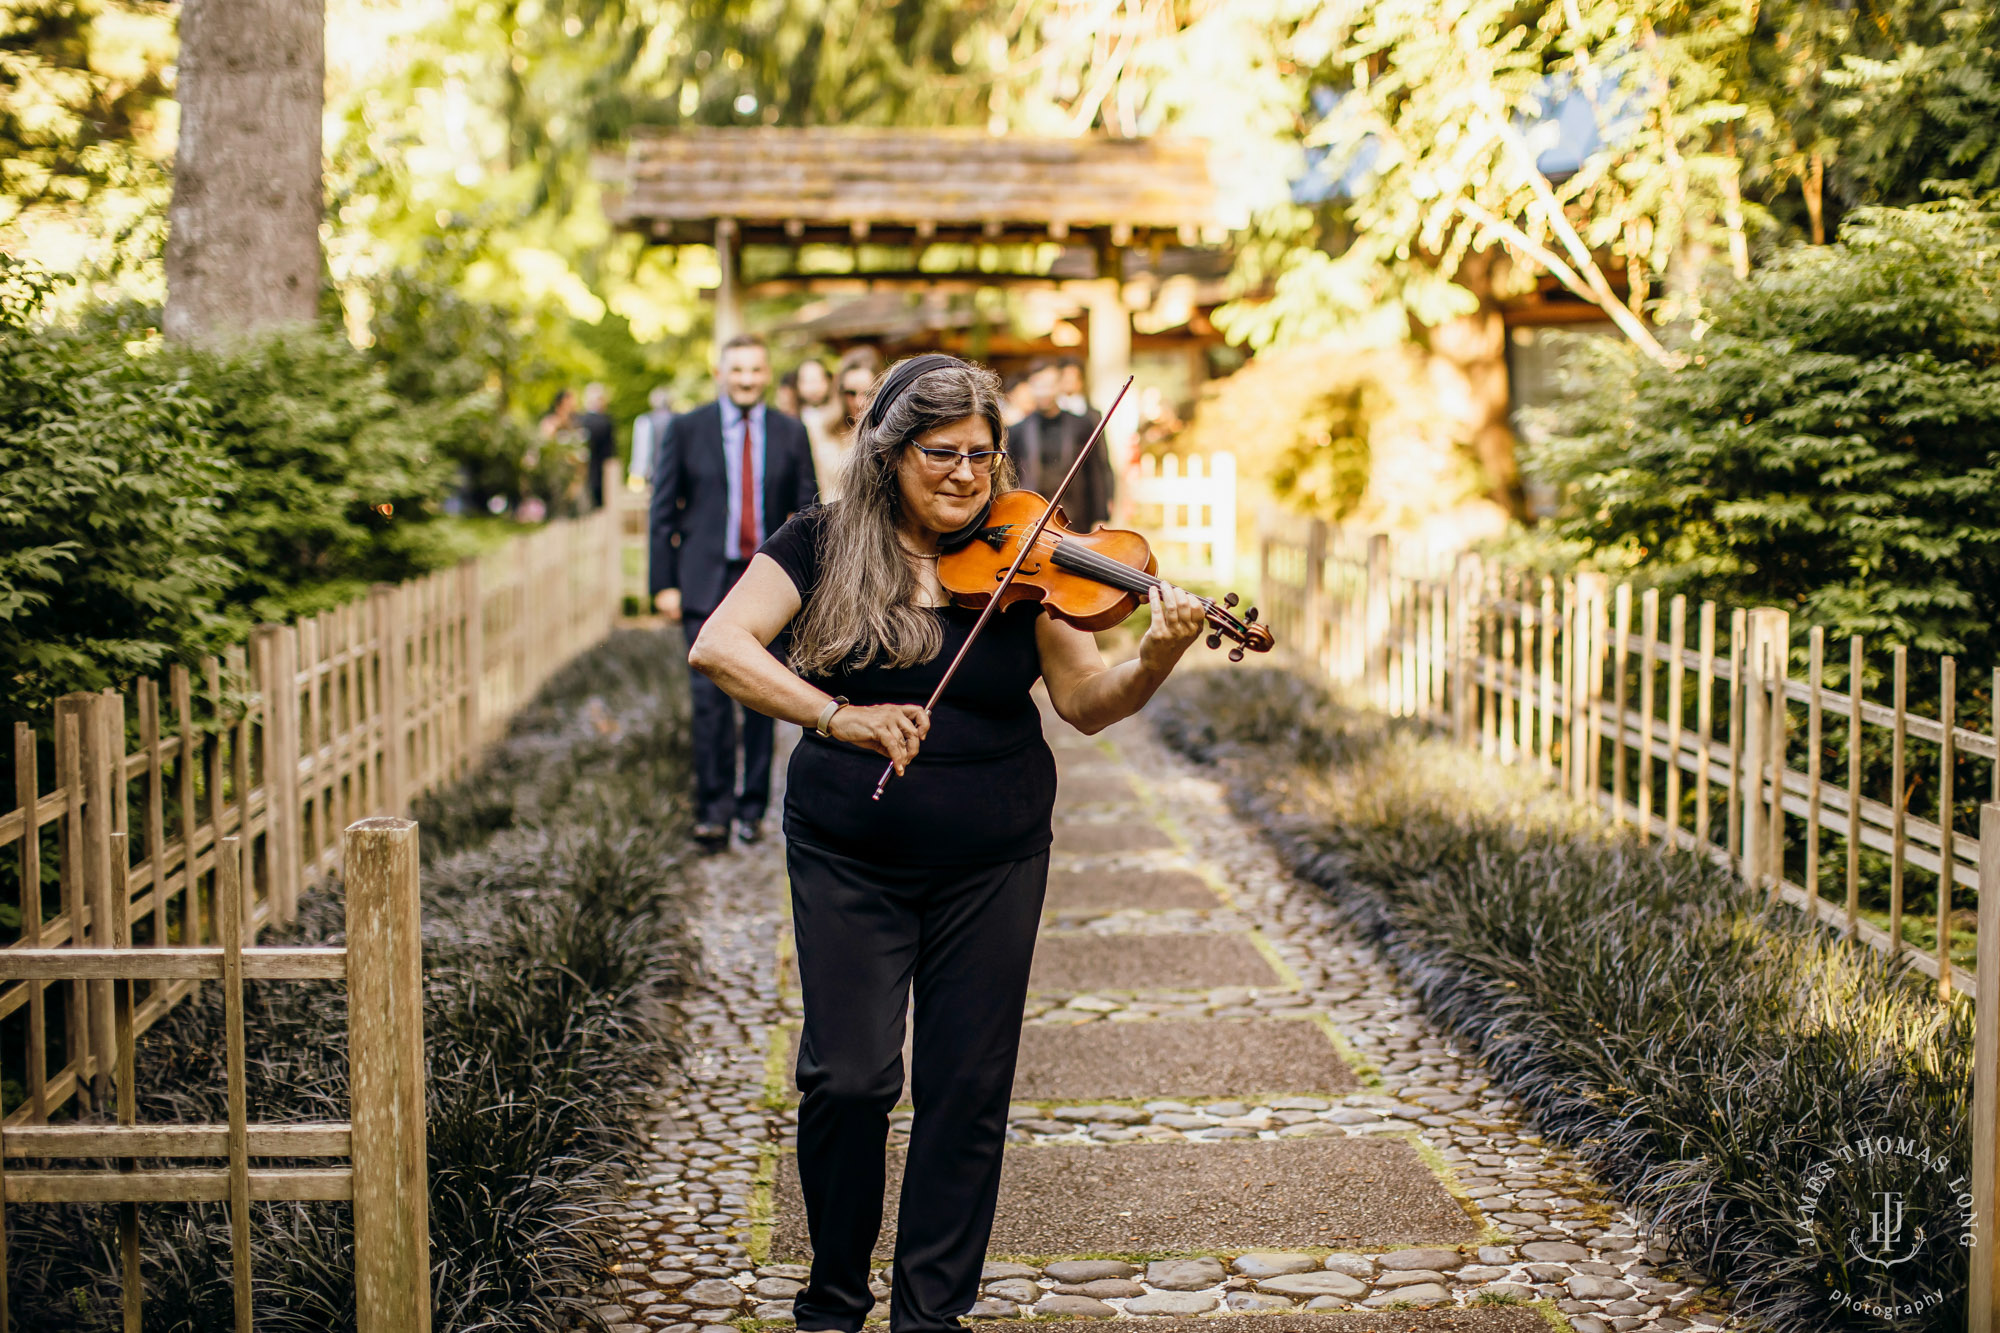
[1099, 199]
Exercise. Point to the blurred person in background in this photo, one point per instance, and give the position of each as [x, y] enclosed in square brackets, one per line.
[1045, 443]
[1018, 401]
[1071, 394]
[601, 438]
[786, 397]
[647, 432]
[820, 411]
[549, 467]
[855, 377]
[854, 382]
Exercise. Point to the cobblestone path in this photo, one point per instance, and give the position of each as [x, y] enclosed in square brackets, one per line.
[1225, 1105]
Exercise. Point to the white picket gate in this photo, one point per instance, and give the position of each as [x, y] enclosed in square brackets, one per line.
[1186, 506]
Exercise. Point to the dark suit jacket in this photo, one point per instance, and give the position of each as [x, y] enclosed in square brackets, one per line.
[598, 430]
[1088, 500]
[690, 512]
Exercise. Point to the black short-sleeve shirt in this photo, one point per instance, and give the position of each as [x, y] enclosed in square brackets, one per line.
[983, 787]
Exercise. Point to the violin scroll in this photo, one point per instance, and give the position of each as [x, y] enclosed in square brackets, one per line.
[1245, 632]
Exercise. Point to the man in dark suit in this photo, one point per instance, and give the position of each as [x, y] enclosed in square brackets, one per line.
[725, 477]
[1044, 444]
[600, 435]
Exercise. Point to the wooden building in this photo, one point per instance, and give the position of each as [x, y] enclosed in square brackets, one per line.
[1107, 224]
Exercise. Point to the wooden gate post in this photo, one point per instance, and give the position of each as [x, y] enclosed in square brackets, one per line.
[1765, 663]
[1983, 1299]
[385, 1027]
[1315, 596]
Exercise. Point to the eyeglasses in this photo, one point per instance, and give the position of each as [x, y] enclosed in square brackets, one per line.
[947, 460]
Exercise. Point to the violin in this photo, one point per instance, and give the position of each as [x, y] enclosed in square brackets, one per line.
[1092, 580]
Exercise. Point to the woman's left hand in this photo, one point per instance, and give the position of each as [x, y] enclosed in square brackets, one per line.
[1178, 620]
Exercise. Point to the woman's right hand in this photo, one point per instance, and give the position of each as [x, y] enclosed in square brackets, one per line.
[893, 731]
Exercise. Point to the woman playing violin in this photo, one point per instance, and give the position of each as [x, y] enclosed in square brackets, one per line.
[938, 885]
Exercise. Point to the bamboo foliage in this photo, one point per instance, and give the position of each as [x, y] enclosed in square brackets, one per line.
[1588, 683]
[122, 799]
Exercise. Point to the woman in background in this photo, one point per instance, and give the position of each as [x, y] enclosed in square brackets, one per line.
[820, 411]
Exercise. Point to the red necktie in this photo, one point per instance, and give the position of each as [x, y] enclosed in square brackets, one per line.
[746, 528]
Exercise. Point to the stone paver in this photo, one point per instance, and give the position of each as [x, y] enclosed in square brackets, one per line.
[1473, 1320]
[1076, 837]
[1068, 962]
[1104, 1061]
[1095, 893]
[1193, 1198]
[1099, 1062]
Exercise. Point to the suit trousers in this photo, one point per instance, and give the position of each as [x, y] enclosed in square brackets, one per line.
[713, 732]
[867, 935]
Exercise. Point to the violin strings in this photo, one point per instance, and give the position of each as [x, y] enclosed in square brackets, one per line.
[1081, 559]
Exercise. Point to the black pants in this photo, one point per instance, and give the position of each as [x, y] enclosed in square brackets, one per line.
[713, 727]
[866, 934]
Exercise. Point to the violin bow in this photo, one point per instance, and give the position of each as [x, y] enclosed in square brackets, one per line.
[993, 604]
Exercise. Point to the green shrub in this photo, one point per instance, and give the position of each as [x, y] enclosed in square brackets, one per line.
[336, 479]
[1832, 444]
[158, 500]
[458, 359]
[1703, 1053]
[113, 508]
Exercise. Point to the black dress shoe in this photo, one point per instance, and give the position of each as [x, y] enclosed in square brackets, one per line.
[711, 837]
[751, 833]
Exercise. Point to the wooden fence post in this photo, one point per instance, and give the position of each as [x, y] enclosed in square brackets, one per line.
[1315, 595]
[1467, 578]
[1764, 663]
[385, 1016]
[1264, 598]
[101, 749]
[283, 847]
[1983, 1298]
[1589, 636]
[611, 528]
[386, 602]
[1375, 623]
[473, 732]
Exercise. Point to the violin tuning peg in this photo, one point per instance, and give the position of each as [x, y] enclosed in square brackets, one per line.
[1229, 599]
[1236, 654]
[1251, 618]
[1215, 640]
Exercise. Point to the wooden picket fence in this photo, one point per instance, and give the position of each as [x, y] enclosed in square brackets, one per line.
[136, 806]
[1686, 721]
[1692, 723]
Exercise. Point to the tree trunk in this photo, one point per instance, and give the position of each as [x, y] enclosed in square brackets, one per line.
[1732, 208]
[243, 230]
[1814, 186]
[1476, 347]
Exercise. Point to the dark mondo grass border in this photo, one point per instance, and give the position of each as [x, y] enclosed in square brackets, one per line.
[556, 947]
[1708, 1056]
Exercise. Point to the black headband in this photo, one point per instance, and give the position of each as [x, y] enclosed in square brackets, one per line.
[901, 378]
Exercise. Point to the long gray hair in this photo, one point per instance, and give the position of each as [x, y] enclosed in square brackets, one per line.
[864, 608]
